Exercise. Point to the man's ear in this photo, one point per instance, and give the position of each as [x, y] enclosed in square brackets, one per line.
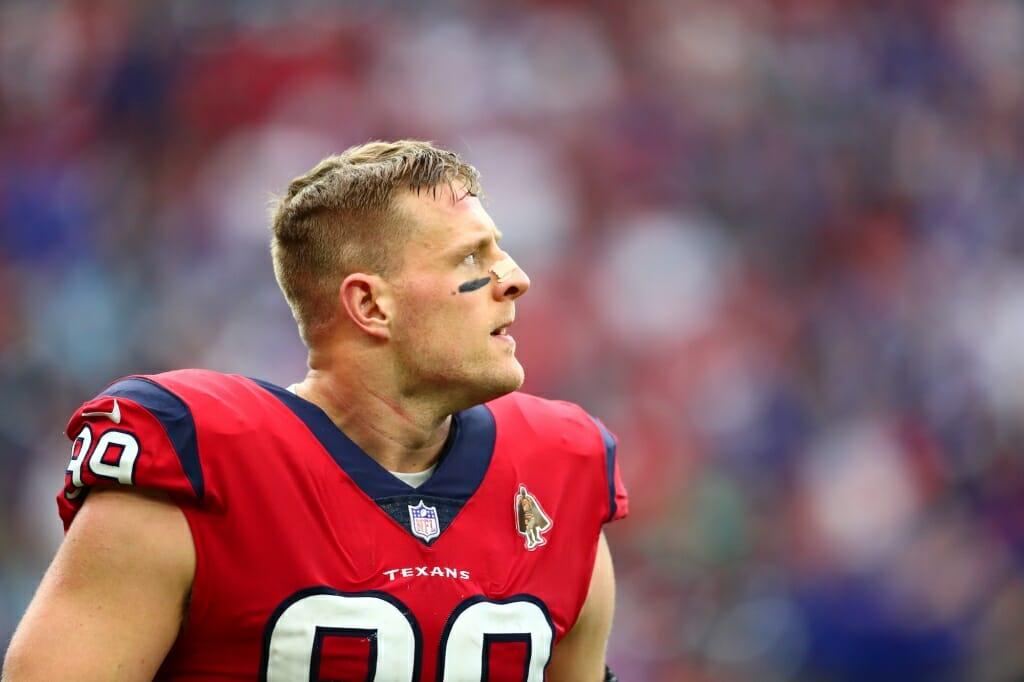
[366, 300]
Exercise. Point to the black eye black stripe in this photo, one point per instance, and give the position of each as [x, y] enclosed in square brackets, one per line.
[474, 284]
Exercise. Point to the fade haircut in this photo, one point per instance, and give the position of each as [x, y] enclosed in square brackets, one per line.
[341, 218]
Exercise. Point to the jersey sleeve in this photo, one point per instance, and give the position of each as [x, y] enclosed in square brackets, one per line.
[135, 433]
[618, 498]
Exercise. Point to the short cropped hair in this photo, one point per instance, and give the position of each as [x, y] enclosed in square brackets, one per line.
[341, 218]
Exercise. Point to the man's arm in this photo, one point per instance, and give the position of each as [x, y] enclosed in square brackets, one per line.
[580, 656]
[111, 604]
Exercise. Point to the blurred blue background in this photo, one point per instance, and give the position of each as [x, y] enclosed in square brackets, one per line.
[776, 245]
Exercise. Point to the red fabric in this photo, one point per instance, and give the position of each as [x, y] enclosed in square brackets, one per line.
[279, 516]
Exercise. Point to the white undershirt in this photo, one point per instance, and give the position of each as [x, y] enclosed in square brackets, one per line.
[417, 479]
[414, 480]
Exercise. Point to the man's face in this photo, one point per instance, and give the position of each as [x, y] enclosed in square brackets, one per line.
[450, 327]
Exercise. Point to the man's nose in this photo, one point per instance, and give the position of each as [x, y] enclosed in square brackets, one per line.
[512, 279]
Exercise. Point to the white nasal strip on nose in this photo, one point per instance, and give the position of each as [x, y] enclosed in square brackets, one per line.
[503, 268]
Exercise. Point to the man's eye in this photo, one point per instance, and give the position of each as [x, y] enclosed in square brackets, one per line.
[471, 259]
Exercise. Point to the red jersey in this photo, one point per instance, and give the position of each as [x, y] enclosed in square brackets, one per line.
[314, 563]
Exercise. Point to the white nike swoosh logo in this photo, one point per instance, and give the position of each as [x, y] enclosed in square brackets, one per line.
[114, 414]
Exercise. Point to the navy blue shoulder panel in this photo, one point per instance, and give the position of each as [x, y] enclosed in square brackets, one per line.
[462, 468]
[173, 414]
[468, 456]
[609, 457]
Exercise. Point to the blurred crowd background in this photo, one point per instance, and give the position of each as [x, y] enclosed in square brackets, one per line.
[776, 245]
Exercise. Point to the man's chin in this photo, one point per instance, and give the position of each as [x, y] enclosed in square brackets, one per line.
[501, 385]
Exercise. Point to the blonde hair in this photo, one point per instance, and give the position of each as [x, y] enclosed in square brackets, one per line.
[341, 218]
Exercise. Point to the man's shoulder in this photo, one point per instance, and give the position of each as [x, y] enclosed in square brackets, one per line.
[192, 379]
[530, 404]
[561, 438]
[190, 399]
[565, 420]
[189, 385]
[170, 431]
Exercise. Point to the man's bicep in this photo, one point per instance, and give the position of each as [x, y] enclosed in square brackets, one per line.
[580, 655]
[112, 600]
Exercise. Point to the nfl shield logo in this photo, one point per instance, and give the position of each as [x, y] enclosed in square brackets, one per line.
[424, 521]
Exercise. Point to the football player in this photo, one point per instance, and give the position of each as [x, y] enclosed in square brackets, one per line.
[401, 513]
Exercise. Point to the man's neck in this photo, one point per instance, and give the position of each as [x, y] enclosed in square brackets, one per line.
[400, 435]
